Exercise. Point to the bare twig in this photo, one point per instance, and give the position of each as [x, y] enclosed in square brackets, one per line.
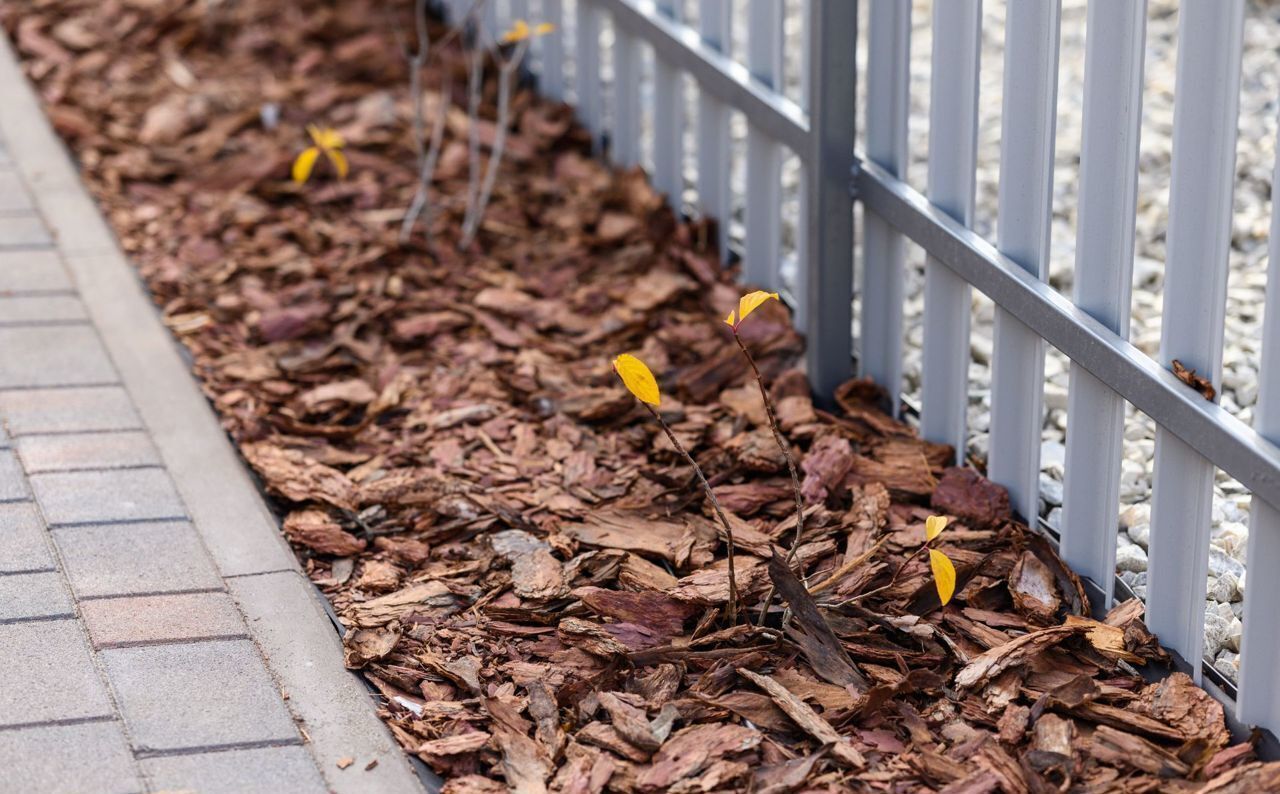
[506, 72]
[715, 505]
[791, 465]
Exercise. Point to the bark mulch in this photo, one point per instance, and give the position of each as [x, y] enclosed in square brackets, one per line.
[529, 574]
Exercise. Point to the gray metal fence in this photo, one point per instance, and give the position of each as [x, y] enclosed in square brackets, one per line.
[1194, 435]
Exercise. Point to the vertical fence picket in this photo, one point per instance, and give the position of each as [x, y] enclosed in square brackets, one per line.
[551, 74]
[714, 150]
[953, 144]
[624, 139]
[668, 125]
[1259, 697]
[1206, 102]
[1027, 128]
[587, 66]
[516, 9]
[828, 278]
[883, 252]
[763, 238]
[1107, 203]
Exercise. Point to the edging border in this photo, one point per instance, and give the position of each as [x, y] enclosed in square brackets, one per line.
[284, 614]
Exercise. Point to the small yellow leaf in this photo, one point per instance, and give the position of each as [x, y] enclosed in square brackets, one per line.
[637, 378]
[339, 161]
[944, 575]
[752, 301]
[519, 32]
[543, 28]
[325, 137]
[305, 161]
[732, 318]
[933, 526]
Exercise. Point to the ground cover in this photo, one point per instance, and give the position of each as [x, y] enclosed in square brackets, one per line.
[528, 572]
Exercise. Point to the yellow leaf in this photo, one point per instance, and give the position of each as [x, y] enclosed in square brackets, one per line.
[933, 526]
[519, 32]
[637, 378]
[731, 319]
[339, 161]
[944, 575]
[325, 137]
[543, 28]
[751, 302]
[305, 161]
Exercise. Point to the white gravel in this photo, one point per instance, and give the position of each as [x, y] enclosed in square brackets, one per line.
[1248, 259]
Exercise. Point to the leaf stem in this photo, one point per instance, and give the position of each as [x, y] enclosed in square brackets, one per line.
[715, 505]
[783, 445]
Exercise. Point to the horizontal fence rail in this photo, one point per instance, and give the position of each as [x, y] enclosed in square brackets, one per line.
[636, 38]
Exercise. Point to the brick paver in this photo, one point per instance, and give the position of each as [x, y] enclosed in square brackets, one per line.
[130, 554]
[124, 664]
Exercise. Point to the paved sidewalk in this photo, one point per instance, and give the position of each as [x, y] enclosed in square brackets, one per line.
[130, 554]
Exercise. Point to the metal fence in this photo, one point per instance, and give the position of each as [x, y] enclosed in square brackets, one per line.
[1194, 435]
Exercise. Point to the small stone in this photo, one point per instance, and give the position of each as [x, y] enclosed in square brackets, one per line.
[1223, 589]
[1228, 664]
[1052, 452]
[1140, 534]
[1235, 631]
[1050, 490]
[1131, 558]
[1135, 514]
[1216, 629]
[1054, 519]
[1220, 563]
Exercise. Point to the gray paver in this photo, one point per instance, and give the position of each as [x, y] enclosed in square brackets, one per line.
[78, 497]
[196, 695]
[46, 674]
[56, 355]
[34, 595]
[90, 758]
[12, 482]
[32, 271]
[44, 453]
[120, 621]
[29, 309]
[23, 230]
[23, 544]
[124, 559]
[266, 770]
[13, 194]
[72, 410]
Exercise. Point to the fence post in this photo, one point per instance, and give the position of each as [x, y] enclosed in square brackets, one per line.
[1258, 702]
[883, 252]
[1028, 123]
[1107, 201]
[1205, 116]
[833, 72]
[714, 150]
[763, 234]
[551, 75]
[668, 120]
[587, 77]
[953, 145]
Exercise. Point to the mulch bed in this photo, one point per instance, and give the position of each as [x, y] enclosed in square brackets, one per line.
[529, 574]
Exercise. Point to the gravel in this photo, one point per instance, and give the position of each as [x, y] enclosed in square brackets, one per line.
[1248, 259]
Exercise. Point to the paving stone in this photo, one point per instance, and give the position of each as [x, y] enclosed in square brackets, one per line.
[70, 355]
[44, 453]
[13, 483]
[195, 695]
[23, 545]
[141, 619]
[46, 674]
[90, 758]
[23, 231]
[265, 770]
[32, 271]
[78, 497]
[13, 194]
[34, 595]
[73, 410]
[36, 309]
[127, 559]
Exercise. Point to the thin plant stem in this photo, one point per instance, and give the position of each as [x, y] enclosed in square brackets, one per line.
[715, 505]
[791, 466]
[893, 579]
[427, 160]
[506, 71]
